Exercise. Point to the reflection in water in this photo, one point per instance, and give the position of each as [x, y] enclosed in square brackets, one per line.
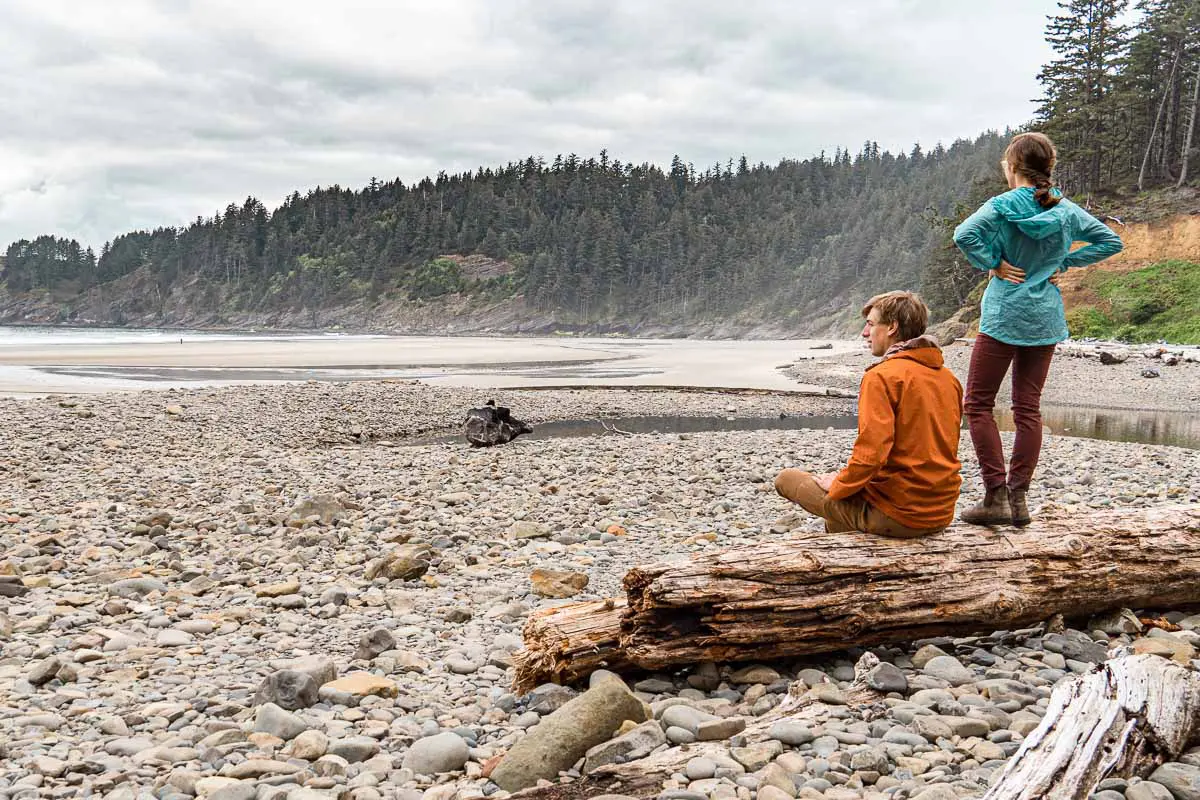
[589, 427]
[1178, 428]
[1148, 427]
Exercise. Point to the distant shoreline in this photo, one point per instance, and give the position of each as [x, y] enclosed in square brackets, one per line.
[656, 333]
[565, 332]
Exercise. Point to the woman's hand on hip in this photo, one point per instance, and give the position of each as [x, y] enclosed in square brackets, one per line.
[1007, 272]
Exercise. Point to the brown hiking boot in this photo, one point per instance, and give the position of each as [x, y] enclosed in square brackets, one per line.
[993, 510]
[1020, 509]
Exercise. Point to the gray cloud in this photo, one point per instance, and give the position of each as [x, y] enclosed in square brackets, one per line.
[140, 113]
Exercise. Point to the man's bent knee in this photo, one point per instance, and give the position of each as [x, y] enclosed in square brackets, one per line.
[789, 482]
[801, 488]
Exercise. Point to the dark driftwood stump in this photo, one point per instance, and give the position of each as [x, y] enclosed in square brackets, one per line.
[826, 592]
[490, 425]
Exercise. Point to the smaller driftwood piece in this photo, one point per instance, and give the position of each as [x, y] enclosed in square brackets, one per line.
[1125, 718]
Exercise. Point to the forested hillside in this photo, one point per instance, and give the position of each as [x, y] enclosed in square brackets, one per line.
[595, 243]
[588, 240]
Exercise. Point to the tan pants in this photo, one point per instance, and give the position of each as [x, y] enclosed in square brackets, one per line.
[854, 514]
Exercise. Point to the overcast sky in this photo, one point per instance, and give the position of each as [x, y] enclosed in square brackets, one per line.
[127, 114]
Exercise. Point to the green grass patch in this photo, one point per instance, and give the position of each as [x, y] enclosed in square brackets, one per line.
[1161, 301]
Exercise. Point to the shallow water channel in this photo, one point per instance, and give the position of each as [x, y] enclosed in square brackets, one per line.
[1178, 429]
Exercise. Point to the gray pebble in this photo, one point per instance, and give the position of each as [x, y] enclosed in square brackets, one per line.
[445, 752]
[885, 677]
[1148, 790]
[272, 719]
[700, 768]
[677, 735]
[1183, 780]
[950, 669]
[792, 734]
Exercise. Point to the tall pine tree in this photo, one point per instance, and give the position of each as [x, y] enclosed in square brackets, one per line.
[1078, 107]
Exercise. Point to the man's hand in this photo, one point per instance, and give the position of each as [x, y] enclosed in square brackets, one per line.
[1007, 272]
[825, 481]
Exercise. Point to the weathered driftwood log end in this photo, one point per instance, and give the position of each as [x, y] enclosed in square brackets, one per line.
[1124, 719]
[567, 643]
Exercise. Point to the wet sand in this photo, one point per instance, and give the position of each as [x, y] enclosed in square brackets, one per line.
[450, 361]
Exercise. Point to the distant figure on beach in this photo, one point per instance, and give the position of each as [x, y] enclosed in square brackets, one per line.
[903, 476]
[1022, 239]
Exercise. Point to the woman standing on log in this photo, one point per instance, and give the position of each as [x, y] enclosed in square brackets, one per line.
[1022, 239]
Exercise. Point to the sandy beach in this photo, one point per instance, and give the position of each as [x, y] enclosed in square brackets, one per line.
[30, 367]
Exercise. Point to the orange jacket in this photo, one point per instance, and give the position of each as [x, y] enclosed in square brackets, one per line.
[905, 460]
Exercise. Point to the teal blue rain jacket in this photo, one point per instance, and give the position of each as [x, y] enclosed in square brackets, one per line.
[1014, 227]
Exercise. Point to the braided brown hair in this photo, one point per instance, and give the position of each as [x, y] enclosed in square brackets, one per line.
[1032, 156]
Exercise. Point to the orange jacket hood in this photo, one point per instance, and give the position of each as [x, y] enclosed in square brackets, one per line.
[923, 349]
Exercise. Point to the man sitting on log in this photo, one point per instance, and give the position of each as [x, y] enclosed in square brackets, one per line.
[903, 476]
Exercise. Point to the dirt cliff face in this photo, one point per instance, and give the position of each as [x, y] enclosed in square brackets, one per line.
[1146, 243]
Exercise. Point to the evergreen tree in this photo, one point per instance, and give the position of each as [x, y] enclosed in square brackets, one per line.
[1163, 62]
[1078, 109]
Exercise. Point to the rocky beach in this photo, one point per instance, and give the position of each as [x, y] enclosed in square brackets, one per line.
[278, 592]
[1078, 375]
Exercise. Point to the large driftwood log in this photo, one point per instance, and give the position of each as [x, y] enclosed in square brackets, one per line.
[1124, 719]
[825, 592]
[829, 591]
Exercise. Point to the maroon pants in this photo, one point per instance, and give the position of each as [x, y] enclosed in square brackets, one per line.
[990, 360]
